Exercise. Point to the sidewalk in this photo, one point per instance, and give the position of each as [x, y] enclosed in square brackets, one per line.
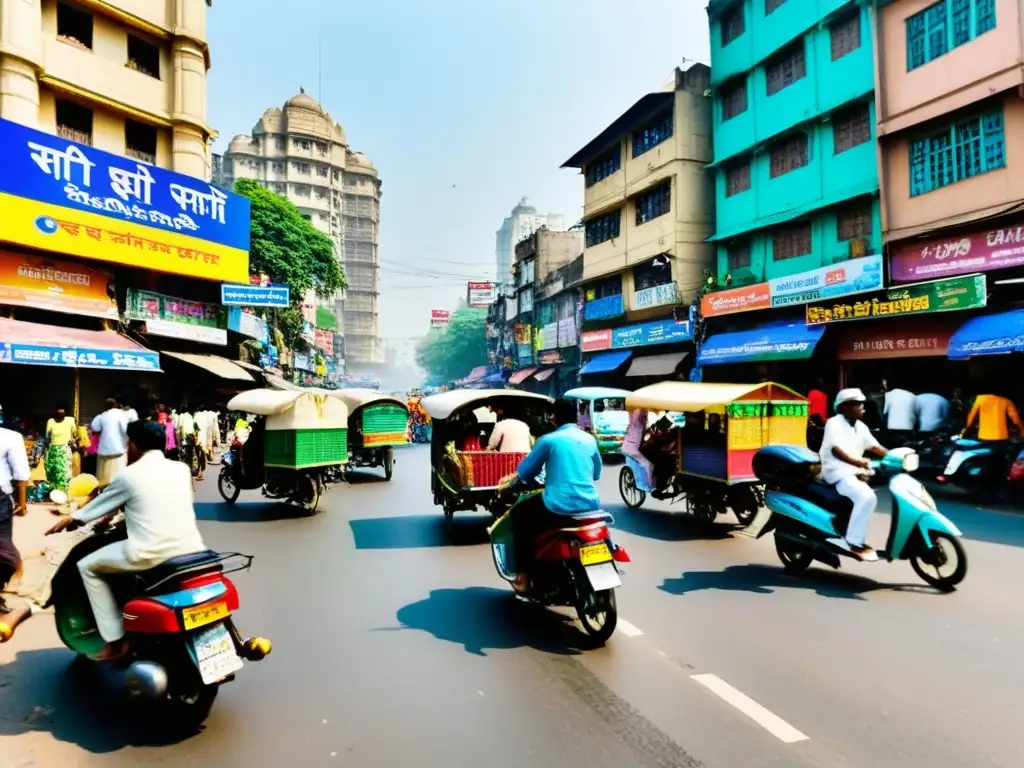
[29, 535]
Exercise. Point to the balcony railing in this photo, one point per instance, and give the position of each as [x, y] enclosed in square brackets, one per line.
[138, 154]
[656, 296]
[601, 309]
[73, 134]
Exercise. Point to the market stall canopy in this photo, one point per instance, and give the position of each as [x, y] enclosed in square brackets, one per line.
[999, 334]
[218, 366]
[443, 405]
[544, 375]
[605, 362]
[595, 393]
[357, 398]
[292, 410]
[477, 373]
[248, 366]
[765, 343]
[278, 383]
[689, 397]
[656, 365]
[53, 345]
[521, 375]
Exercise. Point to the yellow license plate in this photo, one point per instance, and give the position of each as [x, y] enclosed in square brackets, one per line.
[204, 614]
[595, 553]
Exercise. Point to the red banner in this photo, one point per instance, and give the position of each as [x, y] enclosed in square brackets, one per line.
[744, 299]
[876, 341]
[958, 254]
[595, 341]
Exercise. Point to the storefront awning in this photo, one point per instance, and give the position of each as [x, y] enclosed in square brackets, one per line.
[989, 335]
[762, 344]
[53, 345]
[606, 361]
[248, 366]
[544, 375]
[276, 382]
[476, 374]
[656, 365]
[521, 375]
[218, 366]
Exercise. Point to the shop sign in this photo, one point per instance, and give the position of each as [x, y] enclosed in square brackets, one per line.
[656, 332]
[744, 299]
[339, 346]
[884, 340]
[480, 295]
[198, 333]
[523, 334]
[524, 352]
[920, 298]
[325, 342]
[247, 324]
[301, 362]
[439, 318]
[554, 357]
[259, 295]
[59, 286]
[547, 336]
[308, 333]
[177, 318]
[602, 309]
[958, 255]
[658, 296]
[59, 196]
[309, 307]
[595, 341]
[843, 279]
[77, 357]
[567, 336]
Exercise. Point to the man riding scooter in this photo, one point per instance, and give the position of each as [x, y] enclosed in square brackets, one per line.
[846, 440]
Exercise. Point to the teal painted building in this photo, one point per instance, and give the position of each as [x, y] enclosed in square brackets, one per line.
[794, 136]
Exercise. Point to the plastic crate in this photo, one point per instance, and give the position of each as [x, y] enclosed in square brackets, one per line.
[300, 448]
[484, 469]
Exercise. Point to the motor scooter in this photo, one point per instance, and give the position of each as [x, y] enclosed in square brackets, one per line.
[980, 467]
[574, 565]
[809, 518]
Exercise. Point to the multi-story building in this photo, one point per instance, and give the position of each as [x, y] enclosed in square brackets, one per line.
[522, 222]
[124, 76]
[300, 152]
[648, 210]
[796, 183]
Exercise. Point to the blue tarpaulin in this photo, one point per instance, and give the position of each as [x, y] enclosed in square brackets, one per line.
[762, 344]
[998, 334]
[606, 361]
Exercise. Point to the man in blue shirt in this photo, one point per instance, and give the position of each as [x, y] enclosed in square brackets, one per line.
[572, 465]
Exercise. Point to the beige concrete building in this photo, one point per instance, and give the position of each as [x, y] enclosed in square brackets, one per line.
[125, 76]
[300, 152]
[648, 202]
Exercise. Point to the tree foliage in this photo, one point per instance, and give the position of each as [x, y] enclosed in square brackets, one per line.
[325, 319]
[288, 248]
[451, 353]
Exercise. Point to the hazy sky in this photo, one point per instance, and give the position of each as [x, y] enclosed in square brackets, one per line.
[464, 106]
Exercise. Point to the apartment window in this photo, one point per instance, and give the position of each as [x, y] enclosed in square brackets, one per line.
[737, 179]
[280, 143]
[791, 242]
[321, 194]
[603, 228]
[277, 167]
[845, 35]
[771, 5]
[737, 257]
[301, 144]
[854, 221]
[788, 155]
[302, 190]
[732, 25]
[609, 286]
[653, 134]
[734, 99]
[302, 168]
[321, 149]
[604, 166]
[851, 128]
[946, 25]
[657, 202]
[786, 68]
[322, 170]
[650, 274]
[967, 148]
[140, 141]
[143, 56]
[74, 122]
[74, 26]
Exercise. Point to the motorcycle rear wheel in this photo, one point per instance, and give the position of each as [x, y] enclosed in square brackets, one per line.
[600, 617]
[796, 558]
[943, 546]
[187, 713]
[229, 490]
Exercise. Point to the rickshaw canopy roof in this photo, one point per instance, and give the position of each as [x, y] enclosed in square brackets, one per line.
[443, 405]
[357, 398]
[595, 393]
[286, 409]
[688, 396]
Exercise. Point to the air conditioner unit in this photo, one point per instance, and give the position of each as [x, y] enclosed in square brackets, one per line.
[858, 248]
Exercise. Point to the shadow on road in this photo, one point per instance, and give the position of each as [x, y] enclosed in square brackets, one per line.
[418, 531]
[481, 619]
[246, 512]
[765, 579]
[52, 691]
[666, 526]
[365, 476]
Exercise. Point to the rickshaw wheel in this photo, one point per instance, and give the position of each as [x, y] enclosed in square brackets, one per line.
[229, 489]
[389, 462]
[309, 492]
[632, 496]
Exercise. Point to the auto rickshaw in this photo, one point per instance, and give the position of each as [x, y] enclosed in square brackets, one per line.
[465, 476]
[706, 461]
[376, 424]
[296, 436]
[602, 412]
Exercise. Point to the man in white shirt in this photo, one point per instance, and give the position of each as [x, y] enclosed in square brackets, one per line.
[932, 412]
[156, 494]
[846, 440]
[900, 410]
[111, 453]
[14, 476]
[509, 435]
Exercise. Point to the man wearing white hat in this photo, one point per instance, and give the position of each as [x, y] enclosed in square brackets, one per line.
[846, 440]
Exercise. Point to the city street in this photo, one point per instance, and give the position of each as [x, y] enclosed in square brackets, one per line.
[395, 648]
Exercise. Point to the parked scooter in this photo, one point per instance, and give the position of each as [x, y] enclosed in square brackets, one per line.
[980, 467]
[177, 619]
[573, 566]
[806, 513]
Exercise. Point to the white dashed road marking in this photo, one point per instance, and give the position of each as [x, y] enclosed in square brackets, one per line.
[771, 722]
[629, 630]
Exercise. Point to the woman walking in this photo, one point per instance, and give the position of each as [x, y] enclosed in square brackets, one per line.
[60, 441]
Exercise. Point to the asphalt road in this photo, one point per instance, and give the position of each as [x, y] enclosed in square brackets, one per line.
[395, 648]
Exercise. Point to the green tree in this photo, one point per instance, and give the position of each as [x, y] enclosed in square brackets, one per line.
[325, 319]
[451, 353]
